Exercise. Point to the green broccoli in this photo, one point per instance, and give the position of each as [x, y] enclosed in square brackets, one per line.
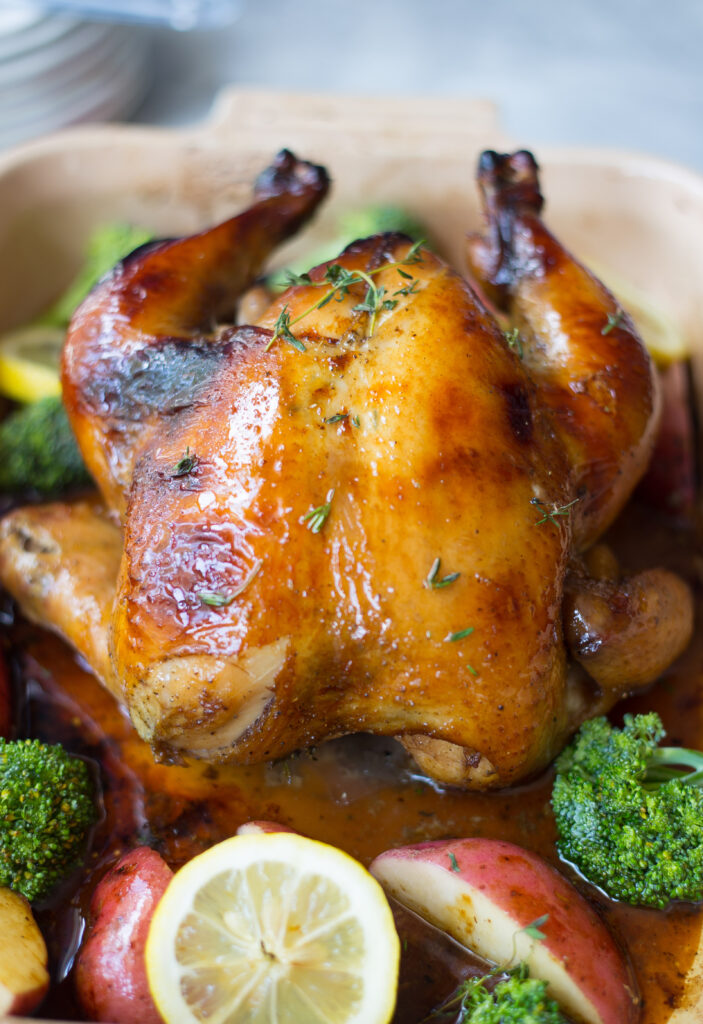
[356, 222]
[38, 452]
[519, 999]
[630, 813]
[47, 807]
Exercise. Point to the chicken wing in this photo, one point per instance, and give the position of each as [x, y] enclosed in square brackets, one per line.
[360, 512]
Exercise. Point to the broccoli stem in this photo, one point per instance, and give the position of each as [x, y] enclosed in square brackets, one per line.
[665, 764]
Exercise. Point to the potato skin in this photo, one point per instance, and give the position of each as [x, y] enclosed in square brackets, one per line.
[111, 972]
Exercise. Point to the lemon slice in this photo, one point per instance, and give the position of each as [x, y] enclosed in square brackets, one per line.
[273, 929]
[29, 362]
[662, 336]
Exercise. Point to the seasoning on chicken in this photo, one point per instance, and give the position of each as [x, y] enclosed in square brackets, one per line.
[361, 512]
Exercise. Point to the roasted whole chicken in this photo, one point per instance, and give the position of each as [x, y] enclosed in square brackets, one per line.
[372, 510]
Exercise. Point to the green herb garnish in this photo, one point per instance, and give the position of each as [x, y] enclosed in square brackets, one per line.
[533, 928]
[513, 339]
[550, 516]
[338, 281]
[185, 465]
[614, 320]
[217, 599]
[317, 517]
[461, 635]
[432, 581]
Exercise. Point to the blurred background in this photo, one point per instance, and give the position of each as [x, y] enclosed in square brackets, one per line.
[623, 73]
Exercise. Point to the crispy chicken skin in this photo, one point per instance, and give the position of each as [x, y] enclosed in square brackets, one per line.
[240, 633]
[580, 348]
[137, 352]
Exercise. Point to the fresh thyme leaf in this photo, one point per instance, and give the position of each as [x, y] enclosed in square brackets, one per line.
[471, 669]
[298, 279]
[338, 417]
[614, 320]
[461, 635]
[513, 339]
[185, 465]
[409, 289]
[432, 581]
[550, 516]
[281, 329]
[405, 274]
[341, 280]
[216, 599]
[370, 303]
[356, 421]
[317, 517]
[453, 863]
[533, 928]
[414, 255]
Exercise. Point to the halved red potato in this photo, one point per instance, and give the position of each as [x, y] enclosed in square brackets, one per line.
[111, 973]
[487, 893]
[24, 977]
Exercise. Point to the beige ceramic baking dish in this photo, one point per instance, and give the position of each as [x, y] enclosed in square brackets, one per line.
[640, 216]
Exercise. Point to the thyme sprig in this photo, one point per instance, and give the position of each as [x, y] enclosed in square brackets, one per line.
[452, 638]
[533, 928]
[185, 465]
[549, 515]
[338, 280]
[432, 580]
[218, 599]
[317, 517]
[514, 341]
[614, 320]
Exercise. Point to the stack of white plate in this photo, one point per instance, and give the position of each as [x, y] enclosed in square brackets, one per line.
[57, 70]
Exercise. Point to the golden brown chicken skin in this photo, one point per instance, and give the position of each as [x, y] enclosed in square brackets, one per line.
[426, 440]
[361, 514]
[579, 346]
[136, 352]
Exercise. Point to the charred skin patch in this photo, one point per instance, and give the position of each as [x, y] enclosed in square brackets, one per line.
[518, 411]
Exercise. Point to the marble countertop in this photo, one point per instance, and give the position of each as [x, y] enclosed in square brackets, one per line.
[619, 73]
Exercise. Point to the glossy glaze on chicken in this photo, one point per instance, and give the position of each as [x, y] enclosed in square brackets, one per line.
[237, 631]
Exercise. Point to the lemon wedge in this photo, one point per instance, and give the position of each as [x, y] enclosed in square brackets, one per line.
[273, 929]
[662, 336]
[29, 362]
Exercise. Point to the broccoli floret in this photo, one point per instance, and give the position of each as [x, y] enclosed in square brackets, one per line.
[519, 999]
[373, 220]
[38, 452]
[47, 807]
[353, 224]
[107, 245]
[630, 813]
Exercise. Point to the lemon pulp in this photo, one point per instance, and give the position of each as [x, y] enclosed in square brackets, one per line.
[273, 929]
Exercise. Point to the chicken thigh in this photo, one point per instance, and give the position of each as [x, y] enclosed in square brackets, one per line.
[366, 511]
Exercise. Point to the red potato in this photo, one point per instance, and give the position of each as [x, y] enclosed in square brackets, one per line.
[24, 977]
[484, 892]
[111, 973]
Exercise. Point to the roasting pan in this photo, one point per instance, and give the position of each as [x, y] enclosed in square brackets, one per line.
[638, 215]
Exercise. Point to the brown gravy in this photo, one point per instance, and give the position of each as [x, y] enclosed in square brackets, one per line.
[359, 793]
